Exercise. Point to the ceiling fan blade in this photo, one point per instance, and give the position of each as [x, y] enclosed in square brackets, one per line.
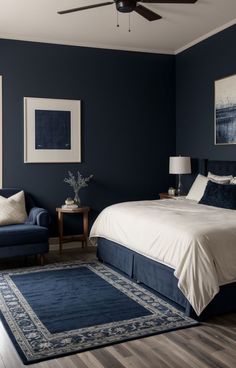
[146, 13]
[84, 8]
[169, 1]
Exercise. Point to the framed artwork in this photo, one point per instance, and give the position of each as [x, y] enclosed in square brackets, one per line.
[51, 130]
[225, 111]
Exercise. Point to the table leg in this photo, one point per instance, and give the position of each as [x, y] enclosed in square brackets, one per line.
[60, 229]
[41, 259]
[85, 226]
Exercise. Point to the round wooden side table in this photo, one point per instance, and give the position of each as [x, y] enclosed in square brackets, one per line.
[81, 237]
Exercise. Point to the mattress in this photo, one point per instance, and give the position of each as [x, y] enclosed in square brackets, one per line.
[197, 241]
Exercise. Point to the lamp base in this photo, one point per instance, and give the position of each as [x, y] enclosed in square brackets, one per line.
[178, 192]
[179, 189]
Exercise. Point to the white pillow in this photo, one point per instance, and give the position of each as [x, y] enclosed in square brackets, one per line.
[233, 181]
[198, 188]
[220, 179]
[12, 209]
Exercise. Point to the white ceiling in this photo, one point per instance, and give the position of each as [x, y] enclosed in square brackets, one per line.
[181, 26]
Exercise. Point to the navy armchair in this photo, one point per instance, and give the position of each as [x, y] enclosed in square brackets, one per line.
[30, 238]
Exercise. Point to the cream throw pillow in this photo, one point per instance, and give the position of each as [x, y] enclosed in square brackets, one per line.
[220, 179]
[198, 188]
[12, 209]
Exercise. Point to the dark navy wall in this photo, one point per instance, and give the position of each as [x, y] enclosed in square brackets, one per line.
[128, 120]
[196, 70]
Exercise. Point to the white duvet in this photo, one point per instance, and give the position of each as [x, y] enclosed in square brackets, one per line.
[197, 241]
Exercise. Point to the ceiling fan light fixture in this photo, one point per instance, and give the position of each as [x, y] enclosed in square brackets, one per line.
[125, 6]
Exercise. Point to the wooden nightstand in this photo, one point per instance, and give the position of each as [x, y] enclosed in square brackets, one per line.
[81, 237]
[167, 196]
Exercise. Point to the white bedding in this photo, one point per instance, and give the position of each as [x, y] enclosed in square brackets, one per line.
[197, 241]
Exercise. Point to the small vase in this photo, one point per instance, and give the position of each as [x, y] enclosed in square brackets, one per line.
[77, 198]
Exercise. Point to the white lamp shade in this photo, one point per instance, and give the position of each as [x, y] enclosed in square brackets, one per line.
[180, 165]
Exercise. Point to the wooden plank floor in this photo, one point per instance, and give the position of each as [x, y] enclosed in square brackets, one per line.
[210, 345]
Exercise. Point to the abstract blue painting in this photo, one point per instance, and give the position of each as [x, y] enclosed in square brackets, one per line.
[225, 111]
[52, 130]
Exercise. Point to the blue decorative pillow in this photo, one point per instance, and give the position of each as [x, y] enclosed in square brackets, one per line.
[220, 195]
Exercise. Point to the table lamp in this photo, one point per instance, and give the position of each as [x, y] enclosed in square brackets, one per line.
[179, 165]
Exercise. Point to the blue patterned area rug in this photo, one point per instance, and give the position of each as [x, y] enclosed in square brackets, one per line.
[67, 308]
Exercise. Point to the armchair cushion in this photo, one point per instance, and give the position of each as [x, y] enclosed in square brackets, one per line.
[38, 216]
[23, 234]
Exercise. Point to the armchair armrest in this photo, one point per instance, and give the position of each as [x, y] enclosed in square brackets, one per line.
[38, 216]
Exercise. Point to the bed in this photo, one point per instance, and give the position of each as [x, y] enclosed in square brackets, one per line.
[162, 268]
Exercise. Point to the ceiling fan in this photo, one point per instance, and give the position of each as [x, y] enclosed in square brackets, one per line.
[127, 6]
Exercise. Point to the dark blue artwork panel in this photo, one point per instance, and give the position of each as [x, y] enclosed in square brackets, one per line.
[52, 129]
[226, 125]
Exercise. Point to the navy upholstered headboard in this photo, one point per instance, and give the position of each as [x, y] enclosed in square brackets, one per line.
[221, 167]
[202, 166]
